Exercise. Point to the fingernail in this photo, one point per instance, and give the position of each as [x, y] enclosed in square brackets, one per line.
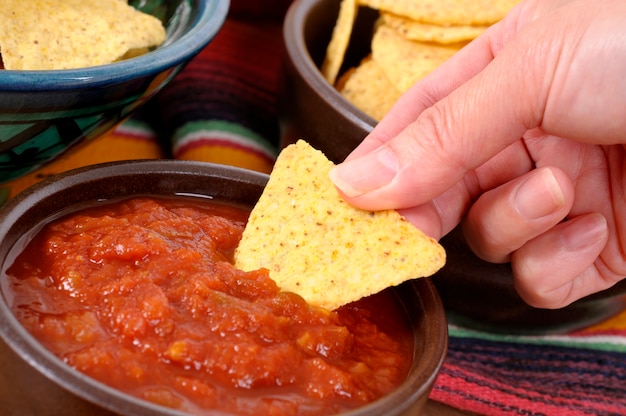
[539, 195]
[584, 232]
[365, 174]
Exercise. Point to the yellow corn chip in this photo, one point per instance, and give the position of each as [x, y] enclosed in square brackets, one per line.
[339, 40]
[405, 62]
[368, 88]
[63, 34]
[411, 39]
[315, 244]
[446, 12]
[428, 32]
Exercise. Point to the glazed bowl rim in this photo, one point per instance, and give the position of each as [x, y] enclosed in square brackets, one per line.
[210, 16]
[417, 384]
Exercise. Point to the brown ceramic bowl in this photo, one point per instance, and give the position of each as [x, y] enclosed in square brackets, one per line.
[21, 217]
[309, 106]
[474, 293]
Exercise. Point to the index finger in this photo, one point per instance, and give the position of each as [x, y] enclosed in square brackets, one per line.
[411, 159]
[460, 68]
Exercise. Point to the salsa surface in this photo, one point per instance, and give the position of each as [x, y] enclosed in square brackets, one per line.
[142, 295]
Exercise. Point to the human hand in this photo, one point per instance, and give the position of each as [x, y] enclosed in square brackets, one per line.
[520, 136]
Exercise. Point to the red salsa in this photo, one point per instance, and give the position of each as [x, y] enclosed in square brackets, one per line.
[142, 295]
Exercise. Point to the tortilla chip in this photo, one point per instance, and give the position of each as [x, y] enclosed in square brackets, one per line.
[405, 62]
[65, 34]
[315, 244]
[446, 12]
[369, 89]
[340, 38]
[428, 32]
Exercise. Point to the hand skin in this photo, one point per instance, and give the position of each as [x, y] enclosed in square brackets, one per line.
[520, 138]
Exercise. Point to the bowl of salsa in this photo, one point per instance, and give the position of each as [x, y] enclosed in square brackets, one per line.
[117, 284]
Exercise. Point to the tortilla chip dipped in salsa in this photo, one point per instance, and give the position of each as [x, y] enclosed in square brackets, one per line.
[67, 34]
[315, 244]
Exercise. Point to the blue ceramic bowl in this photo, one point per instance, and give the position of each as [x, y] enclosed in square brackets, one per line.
[44, 113]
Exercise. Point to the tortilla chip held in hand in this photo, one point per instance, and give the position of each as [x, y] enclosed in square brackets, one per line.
[317, 245]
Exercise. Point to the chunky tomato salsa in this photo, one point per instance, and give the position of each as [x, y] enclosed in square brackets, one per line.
[142, 295]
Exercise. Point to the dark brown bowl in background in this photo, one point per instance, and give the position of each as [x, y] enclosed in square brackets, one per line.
[22, 215]
[475, 293]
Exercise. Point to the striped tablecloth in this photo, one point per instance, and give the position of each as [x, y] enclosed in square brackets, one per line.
[222, 109]
[578, 373]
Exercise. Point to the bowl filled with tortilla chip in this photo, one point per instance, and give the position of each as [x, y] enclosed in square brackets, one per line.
[346, 63]
[168, 287]
[72, 70]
